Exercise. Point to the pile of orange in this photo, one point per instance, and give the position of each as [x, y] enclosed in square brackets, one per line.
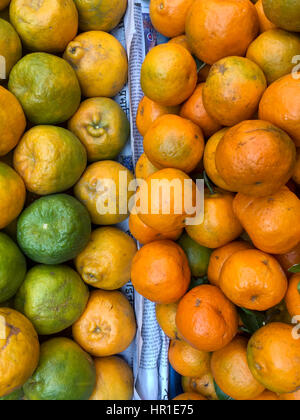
[222, 104]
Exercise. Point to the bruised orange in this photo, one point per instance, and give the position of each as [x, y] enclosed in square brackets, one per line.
[174, 142]
[144, 168]
[148, 111]
[221, 28]
[292, 298]
[160, 272]
[206, 319]
[169, 74]
[193, 109]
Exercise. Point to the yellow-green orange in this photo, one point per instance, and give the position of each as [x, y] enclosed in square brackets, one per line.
[284, 13]
[10, 45]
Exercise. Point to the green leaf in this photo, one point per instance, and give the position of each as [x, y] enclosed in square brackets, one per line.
[220, 394]
[295, 269]
[208, 183]
[252, 320]
[200, 64]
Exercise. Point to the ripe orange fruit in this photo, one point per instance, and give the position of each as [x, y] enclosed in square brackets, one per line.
[181, 40]
[206, 319]
[273, 358]
[203, 385]
[264, 158]
[272, 222]
[253, 280]
[145, 235]
[233, 90]
[188, 361]
[264, 23]
[231, 372]
[220, 224]
[160, 272]
[169, 74]
[267, 396]
[12, 121]
[166, 209]
[174, 142]
[289, 259]
[220, 256]
[148, 111]
[166, 318]
[107, 326]
[296, 175]
[280, 105]
[193, 109]
[292, 298]
[168, 16]
[144, 168]
[189, 396]
[218, 28]
[293, 396]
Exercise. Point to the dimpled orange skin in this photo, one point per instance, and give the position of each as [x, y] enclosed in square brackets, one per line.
[296, 175]
[274, 358]
[12, 121]
[107, 326]
[151, 197]
[100, 63]
[169, 74]
[12, 195]
[168, 16]
[256, 158]
[216, 29]
[220, 225]
[233, 90]
[292, 298]
[160, 272]
[44, 25]
[166, 318]
[148, 111]
[206, 319]
[280, 105]
[253, 280]
[144, 168]
[174, 142]
[189, 396]
[19, 351]
[231, 372]
[145, 235]
[272, 222]
[187, 361]
[264, 23]
[209, 159]
[220, 256]
[193, 109]
[293, 396]
[181, 40]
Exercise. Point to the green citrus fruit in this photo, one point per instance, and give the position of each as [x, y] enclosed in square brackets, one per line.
[52, 298]
[54, 229]
[65, 372]
[198, 255]
[283, 13]
[49, 159]
[14, 396]
[47, 88]
[12, 268]
[10, 45]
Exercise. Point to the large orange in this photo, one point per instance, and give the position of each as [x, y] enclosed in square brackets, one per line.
[100, 62]
[233, 90]
[174, 142]
[220, 28]
[19, 350]
[187, 360]
[166, 318]
[206, 318]
[193, 109]
[220, 225]
[144, 168]
[272, 222]
[148, 111]
[280, 105]
[289, 259]
[263, 160]
[296, 175]
[166, 201]
[107, 326]
[231, 372]
[12, 121]
[169, 74]
[160, 272]
[168, 16]
[292, 298]
[45, 25]
[253, 280]
[273, 358]
[114, 380]
[12, 195]
[145, 234]
[220, 256]
[264, 23]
